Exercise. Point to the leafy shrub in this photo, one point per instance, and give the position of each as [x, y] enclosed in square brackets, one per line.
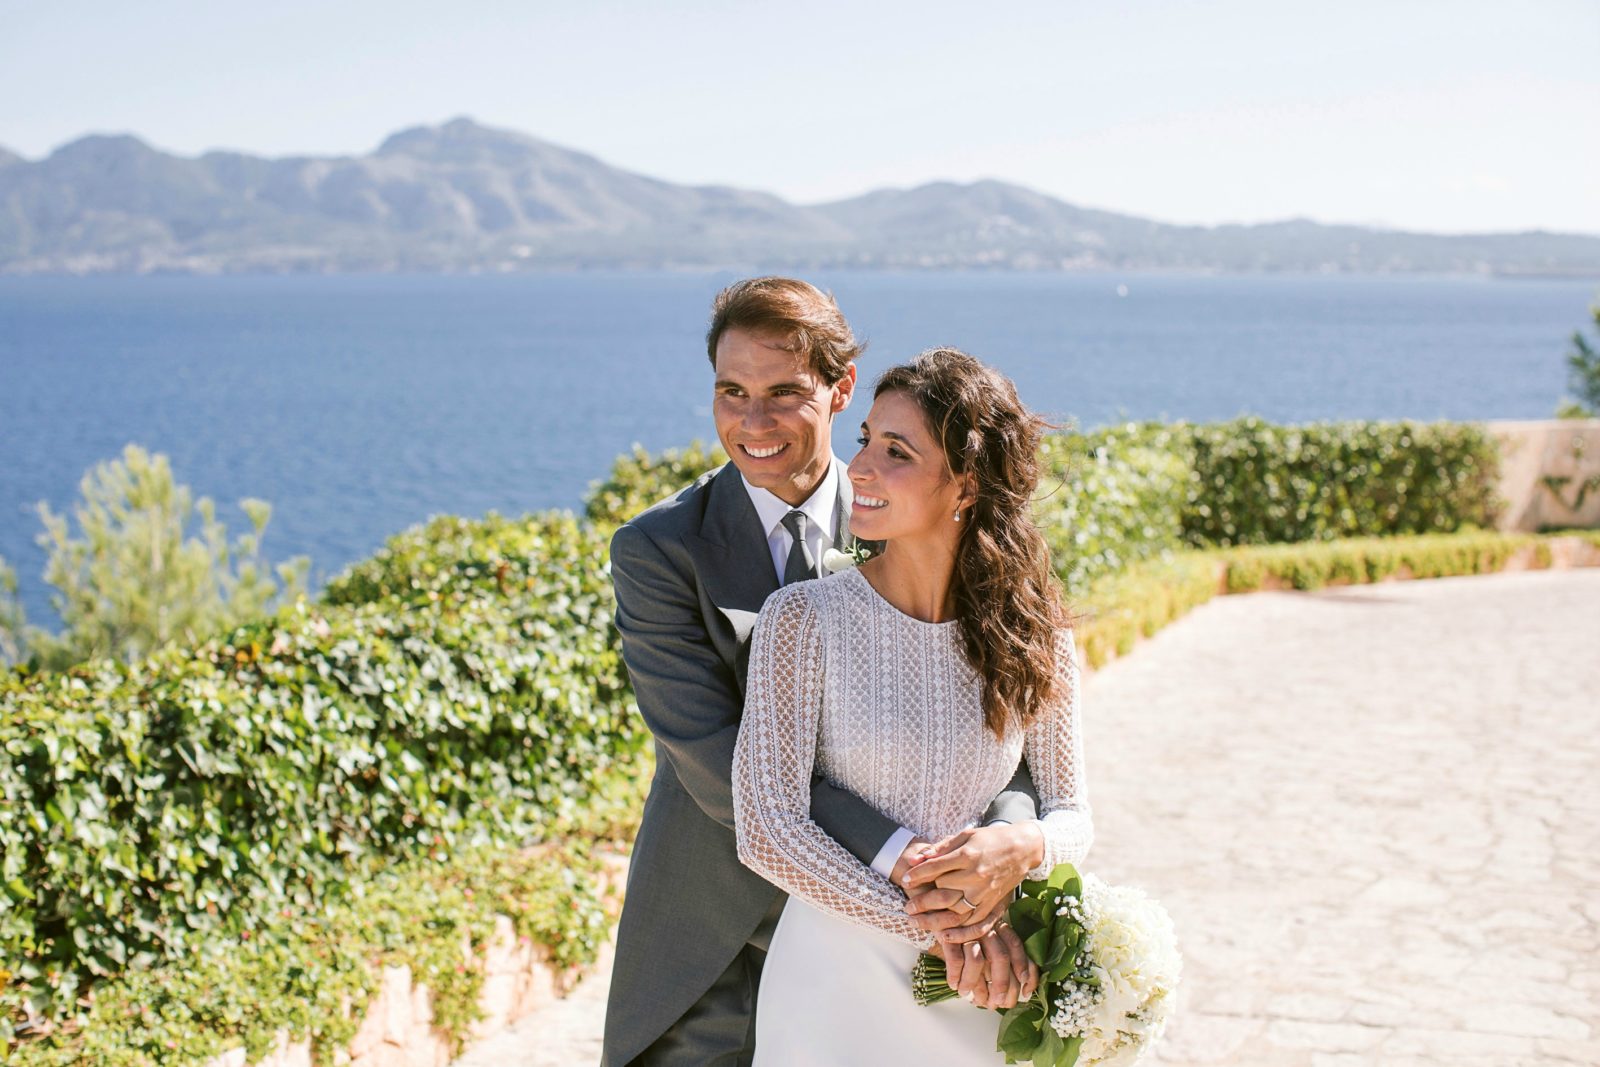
[312, 971]
[640, 479]
[441, 699]
[1119, 609]
[1257, 483]
[1110, 499]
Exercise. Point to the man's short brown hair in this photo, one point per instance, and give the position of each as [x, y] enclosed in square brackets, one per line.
[800, 316]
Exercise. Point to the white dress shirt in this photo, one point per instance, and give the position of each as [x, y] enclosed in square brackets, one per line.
[821, 509]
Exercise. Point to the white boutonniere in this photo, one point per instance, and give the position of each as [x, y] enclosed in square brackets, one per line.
[834, 561]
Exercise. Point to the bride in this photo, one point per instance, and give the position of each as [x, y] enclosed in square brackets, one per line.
[917, 682]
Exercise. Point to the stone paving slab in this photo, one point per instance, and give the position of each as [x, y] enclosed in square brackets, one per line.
[1374, 813]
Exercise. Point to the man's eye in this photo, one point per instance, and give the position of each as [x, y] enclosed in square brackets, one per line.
[861, 439]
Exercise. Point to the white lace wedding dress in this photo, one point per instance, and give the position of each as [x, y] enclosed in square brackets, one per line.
[885, 706]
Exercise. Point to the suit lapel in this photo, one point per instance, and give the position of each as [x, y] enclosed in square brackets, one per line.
[730, 554]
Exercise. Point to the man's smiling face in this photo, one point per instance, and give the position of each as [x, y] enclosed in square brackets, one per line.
[774, 414]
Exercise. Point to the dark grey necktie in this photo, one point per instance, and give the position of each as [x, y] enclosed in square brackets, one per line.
[800, 565]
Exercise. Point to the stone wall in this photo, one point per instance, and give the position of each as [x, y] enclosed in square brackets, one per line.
[1549, 473]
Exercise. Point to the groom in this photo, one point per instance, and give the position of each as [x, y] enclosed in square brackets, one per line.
[690, 574]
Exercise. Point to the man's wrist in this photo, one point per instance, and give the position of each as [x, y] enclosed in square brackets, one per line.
[892, 854]
[914, 847]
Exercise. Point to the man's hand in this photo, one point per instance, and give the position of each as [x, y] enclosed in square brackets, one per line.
[966, 877]
[993, 971]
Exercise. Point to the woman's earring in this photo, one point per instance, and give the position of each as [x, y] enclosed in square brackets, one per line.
[958, 514]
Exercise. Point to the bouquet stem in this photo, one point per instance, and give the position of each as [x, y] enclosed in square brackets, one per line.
[929, 981]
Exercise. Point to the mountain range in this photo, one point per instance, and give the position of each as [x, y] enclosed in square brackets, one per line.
[465, 197]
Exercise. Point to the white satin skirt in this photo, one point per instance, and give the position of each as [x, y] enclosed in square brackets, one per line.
[834, 994]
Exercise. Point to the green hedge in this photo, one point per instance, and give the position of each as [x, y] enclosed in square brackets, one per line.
[313, 970]
[1372, 559]
[464, 686]
[1254, 482]
[1109, 499]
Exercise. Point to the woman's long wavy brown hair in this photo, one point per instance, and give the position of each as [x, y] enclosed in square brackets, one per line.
[1007, 598]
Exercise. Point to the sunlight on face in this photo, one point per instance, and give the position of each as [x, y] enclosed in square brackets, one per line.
[774, 414]
[902, 482]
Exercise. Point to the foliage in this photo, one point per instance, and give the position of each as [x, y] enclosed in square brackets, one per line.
[135, 579]
[312, 970]
[1110, 499]
[1373, 559]
[1254, 482]
[1119, 609]
[13, 620]
[152, 803]
[639, 480]
[1583, 375]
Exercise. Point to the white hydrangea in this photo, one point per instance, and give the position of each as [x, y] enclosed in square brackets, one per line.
[1133, 951]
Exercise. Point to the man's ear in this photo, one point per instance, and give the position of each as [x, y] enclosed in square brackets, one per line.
[844, 389]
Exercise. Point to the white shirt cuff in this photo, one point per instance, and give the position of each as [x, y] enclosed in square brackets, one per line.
[889, 854]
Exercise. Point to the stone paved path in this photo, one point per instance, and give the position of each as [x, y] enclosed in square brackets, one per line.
[1374, 813]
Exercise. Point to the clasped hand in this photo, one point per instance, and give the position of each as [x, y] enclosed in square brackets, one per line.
[959, 889]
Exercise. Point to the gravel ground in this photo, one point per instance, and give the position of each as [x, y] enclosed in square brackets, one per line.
[1374, 813]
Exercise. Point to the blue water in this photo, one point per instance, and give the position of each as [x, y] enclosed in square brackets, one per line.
[361, 405]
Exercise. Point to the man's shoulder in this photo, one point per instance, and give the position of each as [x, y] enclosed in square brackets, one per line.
[681, 513]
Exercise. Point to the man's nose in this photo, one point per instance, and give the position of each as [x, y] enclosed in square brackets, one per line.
[758, 412]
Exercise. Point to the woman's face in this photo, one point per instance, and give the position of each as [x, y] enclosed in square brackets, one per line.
[903, 486]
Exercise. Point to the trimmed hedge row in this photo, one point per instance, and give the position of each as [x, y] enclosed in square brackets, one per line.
[1118, 610]
[464, 686]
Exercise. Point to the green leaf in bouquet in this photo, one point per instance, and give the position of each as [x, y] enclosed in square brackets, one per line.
[1062, 969]
[1037, 946]
[1064, 943]
[1048, 1054]
[1019, 1031]
[1065, 877]
[1069, 1052]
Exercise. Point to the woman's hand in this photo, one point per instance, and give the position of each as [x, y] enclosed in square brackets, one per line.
[961, 886]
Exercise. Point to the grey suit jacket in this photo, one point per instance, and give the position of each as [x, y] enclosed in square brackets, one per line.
[690, 575]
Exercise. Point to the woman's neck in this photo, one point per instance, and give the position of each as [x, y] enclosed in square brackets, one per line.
[917, 577]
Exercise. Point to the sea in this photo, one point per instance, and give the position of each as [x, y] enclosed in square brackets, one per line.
[361, 405]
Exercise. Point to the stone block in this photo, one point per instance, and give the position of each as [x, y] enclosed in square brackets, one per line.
[396, 1004]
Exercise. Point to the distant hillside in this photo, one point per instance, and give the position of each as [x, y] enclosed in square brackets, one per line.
[463, 197]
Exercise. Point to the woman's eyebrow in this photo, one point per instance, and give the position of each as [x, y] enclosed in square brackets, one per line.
[893, 436]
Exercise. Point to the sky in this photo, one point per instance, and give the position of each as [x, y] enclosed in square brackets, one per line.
[1458, 116]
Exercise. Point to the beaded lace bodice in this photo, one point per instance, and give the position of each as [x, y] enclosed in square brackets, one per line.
[885, 706]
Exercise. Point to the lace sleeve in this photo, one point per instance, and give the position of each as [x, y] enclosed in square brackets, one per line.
[1054, 748]
[772, 768]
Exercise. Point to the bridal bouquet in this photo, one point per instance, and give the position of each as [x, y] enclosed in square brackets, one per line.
[1108, 968]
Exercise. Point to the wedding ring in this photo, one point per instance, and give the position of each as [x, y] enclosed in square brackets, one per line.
[970, 905]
